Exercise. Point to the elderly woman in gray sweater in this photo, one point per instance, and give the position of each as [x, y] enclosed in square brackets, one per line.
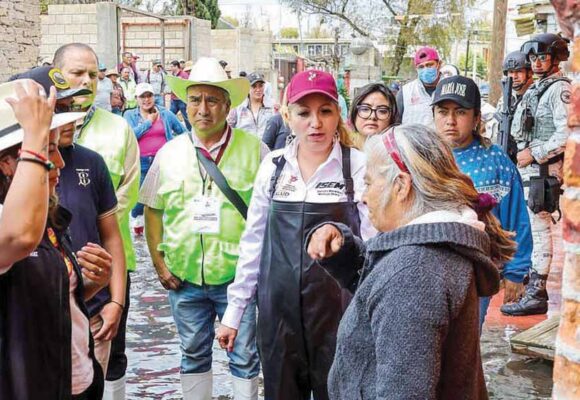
[411, 330]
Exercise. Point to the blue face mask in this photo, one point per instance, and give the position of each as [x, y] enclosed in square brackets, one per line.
[428, 75]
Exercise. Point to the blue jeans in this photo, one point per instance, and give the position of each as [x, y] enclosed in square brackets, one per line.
[483, 306]
[194, 309]
[145, 165]
[179, 106]
[160, 100]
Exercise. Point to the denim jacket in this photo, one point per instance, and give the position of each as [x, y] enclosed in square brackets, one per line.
[141, 125]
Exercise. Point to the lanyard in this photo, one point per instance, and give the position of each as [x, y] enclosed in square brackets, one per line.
[87, 119]
[207, 154]
[54, 241]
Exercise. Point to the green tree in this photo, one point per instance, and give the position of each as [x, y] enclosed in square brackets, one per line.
[207, 9]
[480, 65]
[403, 23]
[289, 33]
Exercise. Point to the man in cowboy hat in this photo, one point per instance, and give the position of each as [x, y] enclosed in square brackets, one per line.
[194, 219]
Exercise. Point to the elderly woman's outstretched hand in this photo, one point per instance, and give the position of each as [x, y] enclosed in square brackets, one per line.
[325, 242]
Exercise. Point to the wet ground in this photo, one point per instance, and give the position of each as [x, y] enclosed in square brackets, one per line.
[153, 346]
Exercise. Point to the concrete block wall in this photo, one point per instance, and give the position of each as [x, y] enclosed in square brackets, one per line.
[68, 23]
[185, 38]
[225, 47]
[244, 50]
[19, 36]
[201, 39]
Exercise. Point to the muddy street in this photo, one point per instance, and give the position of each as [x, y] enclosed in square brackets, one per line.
[154, 356]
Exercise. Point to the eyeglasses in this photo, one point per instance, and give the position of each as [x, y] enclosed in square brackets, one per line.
[381, 113]
[541, 57]
[393, 149]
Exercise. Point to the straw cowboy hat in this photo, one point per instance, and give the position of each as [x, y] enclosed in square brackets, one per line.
[208, 71]
[188, 66]
[10, 131]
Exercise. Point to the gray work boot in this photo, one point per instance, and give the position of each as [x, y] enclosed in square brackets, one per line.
[534, 301]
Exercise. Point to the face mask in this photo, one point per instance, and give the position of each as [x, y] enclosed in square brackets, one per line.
[428, 75]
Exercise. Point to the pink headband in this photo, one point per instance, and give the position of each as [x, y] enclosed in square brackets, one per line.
[393, 149]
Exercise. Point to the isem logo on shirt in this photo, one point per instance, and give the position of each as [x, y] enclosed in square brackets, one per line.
[334, 189]
[84, 178]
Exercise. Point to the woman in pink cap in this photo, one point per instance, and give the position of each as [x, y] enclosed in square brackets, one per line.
[318, 177]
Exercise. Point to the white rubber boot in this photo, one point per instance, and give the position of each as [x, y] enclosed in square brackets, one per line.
[245, 389]
[115, 390]
[197, 386]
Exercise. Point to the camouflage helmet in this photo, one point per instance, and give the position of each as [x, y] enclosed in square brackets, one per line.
[514, 61]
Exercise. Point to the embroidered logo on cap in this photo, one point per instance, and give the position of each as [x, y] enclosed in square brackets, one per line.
[312, 76]
[454, 88]
[58, 79]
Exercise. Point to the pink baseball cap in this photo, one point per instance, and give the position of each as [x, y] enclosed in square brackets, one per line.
[311, 81]
[425, 54]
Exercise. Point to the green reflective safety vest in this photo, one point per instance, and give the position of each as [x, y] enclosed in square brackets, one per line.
[111, 136]
[204, 258]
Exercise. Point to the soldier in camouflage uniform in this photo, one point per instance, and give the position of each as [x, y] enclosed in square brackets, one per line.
[540, 131]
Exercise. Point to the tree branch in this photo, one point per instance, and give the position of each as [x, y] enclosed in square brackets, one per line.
[389, 7]
[316, 9]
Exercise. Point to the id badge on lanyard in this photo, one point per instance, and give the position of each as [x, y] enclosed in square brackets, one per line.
[206, 215]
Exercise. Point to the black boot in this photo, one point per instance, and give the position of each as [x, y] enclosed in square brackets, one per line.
[534, 301]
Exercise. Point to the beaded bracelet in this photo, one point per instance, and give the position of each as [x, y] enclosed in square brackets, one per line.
[46, 164]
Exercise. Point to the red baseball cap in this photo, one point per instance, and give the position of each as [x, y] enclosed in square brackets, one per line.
[425, 54]
[311, 81]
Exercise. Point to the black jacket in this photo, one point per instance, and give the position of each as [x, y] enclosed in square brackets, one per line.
[35, 324]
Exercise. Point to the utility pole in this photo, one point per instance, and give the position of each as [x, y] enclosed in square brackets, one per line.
[467, 53]
[497, 50]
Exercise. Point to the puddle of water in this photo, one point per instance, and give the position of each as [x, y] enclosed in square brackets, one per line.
[154, 355]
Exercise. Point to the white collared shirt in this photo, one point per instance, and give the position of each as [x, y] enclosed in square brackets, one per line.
[325, 186]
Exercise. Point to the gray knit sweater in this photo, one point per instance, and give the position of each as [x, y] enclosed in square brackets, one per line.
[411, 330]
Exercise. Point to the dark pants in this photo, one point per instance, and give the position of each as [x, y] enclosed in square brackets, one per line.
[179, 106]
[145, 165]
[118, 359]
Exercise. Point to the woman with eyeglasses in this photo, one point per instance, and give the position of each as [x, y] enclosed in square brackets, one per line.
[317, 177]
[154, 126]
[373, 110]
[411, 329]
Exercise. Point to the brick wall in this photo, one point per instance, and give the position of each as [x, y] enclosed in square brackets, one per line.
[185, 38]
[66, 24]
[19, 36]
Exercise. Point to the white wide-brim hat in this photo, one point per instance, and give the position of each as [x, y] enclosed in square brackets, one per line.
[11, 132]
[208, 71]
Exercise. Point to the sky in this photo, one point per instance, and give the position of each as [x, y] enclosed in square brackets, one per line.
[272, 13]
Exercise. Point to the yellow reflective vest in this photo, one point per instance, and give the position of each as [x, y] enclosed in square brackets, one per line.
[204, 258]
[111, 136]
